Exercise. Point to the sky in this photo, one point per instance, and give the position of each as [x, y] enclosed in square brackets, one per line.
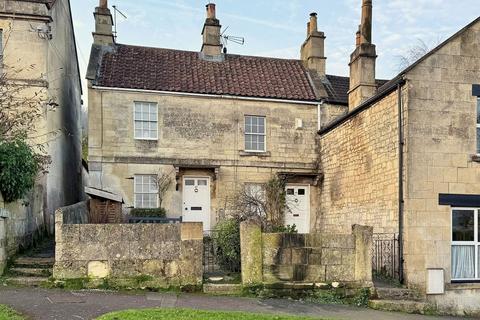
[277, 28]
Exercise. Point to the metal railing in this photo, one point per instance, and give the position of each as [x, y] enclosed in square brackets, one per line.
[214, 261]
[153, 220]
[385, 256]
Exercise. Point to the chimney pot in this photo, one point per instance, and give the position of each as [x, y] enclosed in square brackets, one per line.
[366, 26]
[313, 22]
[103, 4]
[211, 14]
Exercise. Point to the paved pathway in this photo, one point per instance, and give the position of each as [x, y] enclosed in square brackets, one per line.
[46, 304]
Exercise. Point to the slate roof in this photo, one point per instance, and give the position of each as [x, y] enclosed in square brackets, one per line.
[136, 67]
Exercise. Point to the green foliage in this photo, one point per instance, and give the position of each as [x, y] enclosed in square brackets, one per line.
[85, 148]
[285, 229]
[148, 213]
[6, 313]
[19, 165]
[227, 243]
[276, 202]
[362, 297]
[331, 296]
[185, 314]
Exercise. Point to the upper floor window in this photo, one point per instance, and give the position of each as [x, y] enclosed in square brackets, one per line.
[146, 121]
[145, 191]
[465, 245]
[255, 131]
[478, 125]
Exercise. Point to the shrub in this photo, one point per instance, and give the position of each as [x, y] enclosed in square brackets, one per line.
[285, 229]
[148, 213]
[227, 243]
[19, 166]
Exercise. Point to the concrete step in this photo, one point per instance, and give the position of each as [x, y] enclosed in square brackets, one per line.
[397, 294]
[27, 281]
[222, 289]
[407, 306]
[30, 272]
[34, 262]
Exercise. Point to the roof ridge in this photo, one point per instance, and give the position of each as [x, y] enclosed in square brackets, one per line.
[197, 52]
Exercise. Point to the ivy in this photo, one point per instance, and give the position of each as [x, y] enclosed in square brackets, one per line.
[19, 166]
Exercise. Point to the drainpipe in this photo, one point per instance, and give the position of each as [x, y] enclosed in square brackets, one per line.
[319, 114]
[401, 202]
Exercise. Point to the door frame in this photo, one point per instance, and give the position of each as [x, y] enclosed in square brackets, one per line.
[307, 187]
[208, 178]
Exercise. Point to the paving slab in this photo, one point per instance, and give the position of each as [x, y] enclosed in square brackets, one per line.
[52, 304]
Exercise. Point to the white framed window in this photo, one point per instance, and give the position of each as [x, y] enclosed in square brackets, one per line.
[465, 261]
[478, 125]
[145, 117]
[255, 133]
[145, 192]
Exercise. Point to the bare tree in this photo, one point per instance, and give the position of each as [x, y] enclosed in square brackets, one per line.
[265, 202]
[163, 182]
[414, 53]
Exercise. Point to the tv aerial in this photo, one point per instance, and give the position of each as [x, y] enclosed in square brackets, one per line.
[225, 39]
[115, 11]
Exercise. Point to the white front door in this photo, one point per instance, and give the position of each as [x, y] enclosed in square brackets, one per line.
[298, 213]
[196, 200]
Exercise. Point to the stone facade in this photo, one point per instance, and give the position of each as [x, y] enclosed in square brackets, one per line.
[306, 258]
[359, 160]
[161, 255]
[196, 132]
[49, 67]
[359, 157]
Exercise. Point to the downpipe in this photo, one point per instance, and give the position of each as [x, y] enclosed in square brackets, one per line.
[401, 201]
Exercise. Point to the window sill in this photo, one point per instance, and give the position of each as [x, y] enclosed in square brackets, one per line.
[263, 154]
[463, 285]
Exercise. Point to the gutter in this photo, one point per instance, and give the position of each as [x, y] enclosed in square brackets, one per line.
[221, 96]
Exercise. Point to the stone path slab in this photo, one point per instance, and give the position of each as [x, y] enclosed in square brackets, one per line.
[48, 304]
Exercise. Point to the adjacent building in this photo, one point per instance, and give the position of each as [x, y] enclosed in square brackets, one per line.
[405, 160]
[39, 54]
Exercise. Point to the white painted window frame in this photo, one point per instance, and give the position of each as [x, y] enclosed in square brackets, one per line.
[135, 191]
[255, 134]
[477, 127]
[475, 243]
[135, 103]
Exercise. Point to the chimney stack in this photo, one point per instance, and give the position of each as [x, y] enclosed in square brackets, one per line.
[103, 34]
[313, 49]
[362, 61]
[212, 46]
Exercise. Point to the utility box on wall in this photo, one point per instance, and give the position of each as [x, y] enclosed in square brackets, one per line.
[435, 281]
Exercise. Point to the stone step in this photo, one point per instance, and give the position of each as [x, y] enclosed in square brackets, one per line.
[407, 306]
[27, 281]
[34, 262]
[397, 294]
[31, 272]
[222, 289]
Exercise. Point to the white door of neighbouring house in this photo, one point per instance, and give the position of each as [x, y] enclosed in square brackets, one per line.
[196, 200]
[298, 202]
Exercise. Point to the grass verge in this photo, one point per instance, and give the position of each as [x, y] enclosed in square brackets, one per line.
[185, 314]
[7, 313]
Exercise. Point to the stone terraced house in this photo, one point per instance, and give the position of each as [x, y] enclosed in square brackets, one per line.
[212, 121]
[401, 156]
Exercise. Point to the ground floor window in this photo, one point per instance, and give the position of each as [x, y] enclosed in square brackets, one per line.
[145, 189]
[465, 245]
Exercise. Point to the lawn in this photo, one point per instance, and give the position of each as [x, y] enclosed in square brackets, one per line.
[184, 314]
[7, 313]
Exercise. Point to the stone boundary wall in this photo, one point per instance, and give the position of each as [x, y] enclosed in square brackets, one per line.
[156, 255]
[306, 258]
